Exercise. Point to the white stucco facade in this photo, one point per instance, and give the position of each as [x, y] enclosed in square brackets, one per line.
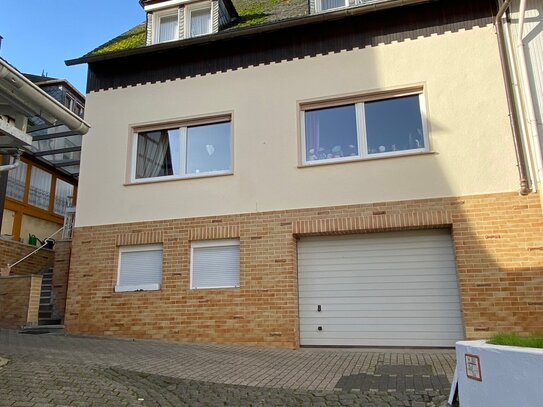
[471, 148]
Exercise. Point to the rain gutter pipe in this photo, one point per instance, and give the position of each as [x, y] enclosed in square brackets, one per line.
[27, 94]
[513, 115]
[527, 91]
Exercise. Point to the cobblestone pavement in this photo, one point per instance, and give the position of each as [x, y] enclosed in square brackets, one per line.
[58, 370]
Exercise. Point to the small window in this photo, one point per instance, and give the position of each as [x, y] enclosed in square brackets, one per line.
[199, 21]
[370, 128]
[17, 181]
[215, 264]
[166, 26]
[331, 4]
[40, 188]
[181, 152]
[140, 268]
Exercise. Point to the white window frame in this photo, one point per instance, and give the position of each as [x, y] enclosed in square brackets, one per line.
[140, 287]
[183, 127]
[362, 141]
[157, 16]
[211, 243]
[189, 9]
[319, 9]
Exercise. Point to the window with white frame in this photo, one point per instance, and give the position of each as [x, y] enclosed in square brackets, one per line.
[183, 151]
[365, 128]
[324, 5]
[140, 268]
[166, 26]
[198, 20]
[214, 264]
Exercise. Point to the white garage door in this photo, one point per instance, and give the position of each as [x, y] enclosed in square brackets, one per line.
[379, 289]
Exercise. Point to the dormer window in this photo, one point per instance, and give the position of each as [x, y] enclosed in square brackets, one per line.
[325, 5]
[198, 20]
[166, 26]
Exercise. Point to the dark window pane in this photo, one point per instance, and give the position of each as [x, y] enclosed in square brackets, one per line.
[394, 125]
[158, 153]
[208, 148]
[330, 133]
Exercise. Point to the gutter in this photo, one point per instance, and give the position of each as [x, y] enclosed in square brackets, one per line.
[513, 115]
[23, 92]
[12, 166]
[248, 31]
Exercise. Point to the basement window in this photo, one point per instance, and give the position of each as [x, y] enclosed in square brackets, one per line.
[215, 264]
[140, 268]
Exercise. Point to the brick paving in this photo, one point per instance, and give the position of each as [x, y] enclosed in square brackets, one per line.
[58, 370]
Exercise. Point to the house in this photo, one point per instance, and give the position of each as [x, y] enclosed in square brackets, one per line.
[306, 173]
[36, 133]
[42, 188]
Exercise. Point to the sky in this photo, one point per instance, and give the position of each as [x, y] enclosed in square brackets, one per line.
[39, 35]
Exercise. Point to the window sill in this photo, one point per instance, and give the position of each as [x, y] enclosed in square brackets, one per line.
[359, 159]
[214, 288]
[136, 288]
[175, 179]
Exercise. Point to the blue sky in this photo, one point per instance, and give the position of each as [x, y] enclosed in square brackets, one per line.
[39, 35]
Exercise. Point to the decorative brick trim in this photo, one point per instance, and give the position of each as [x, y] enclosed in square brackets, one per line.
[379, 221]
[216, 232]
[131, 239]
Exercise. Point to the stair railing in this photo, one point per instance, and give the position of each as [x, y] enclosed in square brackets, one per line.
[45, 243]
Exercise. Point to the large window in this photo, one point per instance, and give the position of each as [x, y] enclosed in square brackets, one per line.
[40, 188]
[166, 26]
[185, 151]
[64, 193]
[215, 264]
[363, 129]
[140, 268]
[17, 182]
[323, 5]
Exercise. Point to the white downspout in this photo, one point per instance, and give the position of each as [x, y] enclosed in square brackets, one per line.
[527, 92]
[12, 166]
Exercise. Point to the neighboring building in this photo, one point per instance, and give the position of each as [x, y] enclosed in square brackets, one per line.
[305, 173]
[40, 190]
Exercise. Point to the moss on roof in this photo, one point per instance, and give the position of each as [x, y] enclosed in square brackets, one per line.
[251, 12]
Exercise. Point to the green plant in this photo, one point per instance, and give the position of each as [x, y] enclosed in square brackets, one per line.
[532, 341]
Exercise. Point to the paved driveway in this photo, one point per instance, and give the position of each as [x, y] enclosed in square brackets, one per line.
[54, 369]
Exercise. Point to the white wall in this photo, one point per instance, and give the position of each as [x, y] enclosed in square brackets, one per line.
[467, 119]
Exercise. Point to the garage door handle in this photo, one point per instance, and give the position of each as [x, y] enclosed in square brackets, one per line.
[318, 308]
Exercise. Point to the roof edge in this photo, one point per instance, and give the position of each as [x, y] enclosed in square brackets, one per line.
[247, 31]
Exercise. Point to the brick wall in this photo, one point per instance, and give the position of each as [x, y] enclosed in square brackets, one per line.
[11, 251]
[498, 242]
[61, 269]
[19, 301]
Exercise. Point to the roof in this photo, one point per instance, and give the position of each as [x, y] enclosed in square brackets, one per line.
[251, 13]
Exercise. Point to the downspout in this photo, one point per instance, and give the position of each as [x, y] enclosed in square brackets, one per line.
[513, 115]
[527, 91]
[12, 166]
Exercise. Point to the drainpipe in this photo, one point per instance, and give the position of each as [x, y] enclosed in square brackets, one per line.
[13, 165]
[527, 90]
[513, 115]
[24, 92]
